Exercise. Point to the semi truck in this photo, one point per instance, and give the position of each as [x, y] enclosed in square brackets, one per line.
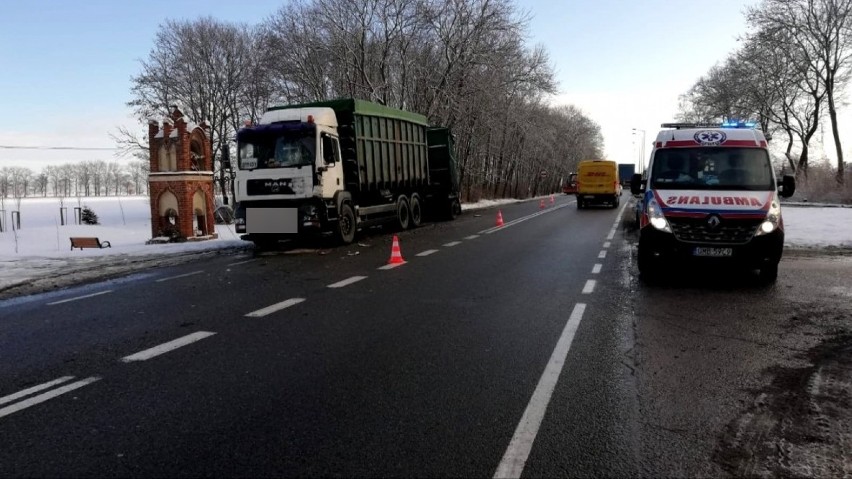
[340, 165]
[625, 173]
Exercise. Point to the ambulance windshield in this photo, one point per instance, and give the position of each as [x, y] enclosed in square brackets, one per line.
[712, 168]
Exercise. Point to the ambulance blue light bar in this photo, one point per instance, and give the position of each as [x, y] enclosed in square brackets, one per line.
[739, 124]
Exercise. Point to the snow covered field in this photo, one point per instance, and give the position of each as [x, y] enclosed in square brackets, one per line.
[41, 246]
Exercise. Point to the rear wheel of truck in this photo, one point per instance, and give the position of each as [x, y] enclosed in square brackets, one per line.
[403, 213]
[616, 201]
[416, 211]
[454, 209]
[346, 225]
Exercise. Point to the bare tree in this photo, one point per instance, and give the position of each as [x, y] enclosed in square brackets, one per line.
[818, 34]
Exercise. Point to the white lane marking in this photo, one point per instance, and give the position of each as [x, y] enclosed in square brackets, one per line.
[347, 282]
[427, 252]
[34, 389]
[166, 347]
[611, 235]
[471, 237]
[390, 266]
[607, 244]
[46, 396]
[275, 307]
[179, 276]
[242, 262]
[522, 219]
[452, 243]
[80, 297]
[597, 268]
[589, 288]
[512, 464]
[602, 254]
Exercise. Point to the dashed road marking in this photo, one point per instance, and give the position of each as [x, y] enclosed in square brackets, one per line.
[166, 347]
[597, 268]
[589, 288]
[274, 308]
[347, 282]
[46, 396]
[427, 252]
[522, 219]
[471, 237]
[452, 243]
[34, 389]
[602, 254]
[390, 266]
[242, 262]
[80, 297]
[179, 276]
[515, 457]
[611, 235]
[607, 244]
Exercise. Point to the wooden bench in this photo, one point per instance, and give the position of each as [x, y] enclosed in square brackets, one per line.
[84, 242]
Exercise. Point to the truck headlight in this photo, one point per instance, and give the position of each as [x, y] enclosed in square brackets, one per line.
[298, 185]
[773, 219]
[239, 221]
[655, 216]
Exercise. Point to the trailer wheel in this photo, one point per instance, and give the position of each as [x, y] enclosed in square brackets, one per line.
[455, 209]
[416, 211]
[346, 224]
[403, 213]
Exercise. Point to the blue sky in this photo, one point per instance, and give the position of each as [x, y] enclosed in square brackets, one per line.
[65, 66]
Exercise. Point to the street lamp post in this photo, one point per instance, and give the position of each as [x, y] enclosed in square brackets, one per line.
[641, 150]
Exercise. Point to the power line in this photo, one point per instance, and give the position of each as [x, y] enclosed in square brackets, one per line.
[77, 148]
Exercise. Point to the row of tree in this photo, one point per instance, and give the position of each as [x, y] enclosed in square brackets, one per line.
[789, 73]
[87, 178]
[462, 63]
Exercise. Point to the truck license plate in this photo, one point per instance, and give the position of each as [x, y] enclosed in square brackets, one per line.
[714, 252]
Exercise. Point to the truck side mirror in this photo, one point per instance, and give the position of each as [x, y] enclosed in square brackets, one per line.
[636, 184]
[788, 186]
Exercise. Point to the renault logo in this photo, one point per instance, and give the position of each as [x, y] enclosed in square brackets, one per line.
[713, 222]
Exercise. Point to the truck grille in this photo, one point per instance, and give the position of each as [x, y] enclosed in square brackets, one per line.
[269, 187]
[699, 230]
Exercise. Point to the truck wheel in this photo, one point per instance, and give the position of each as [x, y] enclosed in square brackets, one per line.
[580, 204]
[768, 274]
[616, 202]
[346, 225]
[454, 209]
[403, 213]
[416, 211]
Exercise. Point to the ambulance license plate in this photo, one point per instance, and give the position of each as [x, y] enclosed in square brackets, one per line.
[713, 252]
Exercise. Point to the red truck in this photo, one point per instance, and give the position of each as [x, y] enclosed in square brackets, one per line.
[570, 186]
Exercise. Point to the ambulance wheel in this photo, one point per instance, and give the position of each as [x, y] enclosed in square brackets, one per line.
[769, 273]
[403, 213]
[346, 225]
[416, 210]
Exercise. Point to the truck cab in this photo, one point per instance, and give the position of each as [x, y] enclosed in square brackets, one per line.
[292, 158]
[710, 195]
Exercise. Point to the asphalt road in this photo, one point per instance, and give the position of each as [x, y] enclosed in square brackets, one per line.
[532, 349]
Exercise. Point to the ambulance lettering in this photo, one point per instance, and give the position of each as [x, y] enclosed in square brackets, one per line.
[713, 200]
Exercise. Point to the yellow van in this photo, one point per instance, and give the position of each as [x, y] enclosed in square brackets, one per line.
[597, 183]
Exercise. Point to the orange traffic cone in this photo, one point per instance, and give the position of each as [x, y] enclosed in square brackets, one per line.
[541, 205]
[499, 218]
[552, 200]
[396, 255]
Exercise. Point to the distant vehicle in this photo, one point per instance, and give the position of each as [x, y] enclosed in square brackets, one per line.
[711, 195]
[570, 186]
[334, 166]
[598, 183]
[625, 173]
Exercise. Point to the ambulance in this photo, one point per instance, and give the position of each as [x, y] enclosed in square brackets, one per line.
[710, 194]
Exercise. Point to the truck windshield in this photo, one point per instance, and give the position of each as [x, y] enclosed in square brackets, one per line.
[276, 151]
[712, 168]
